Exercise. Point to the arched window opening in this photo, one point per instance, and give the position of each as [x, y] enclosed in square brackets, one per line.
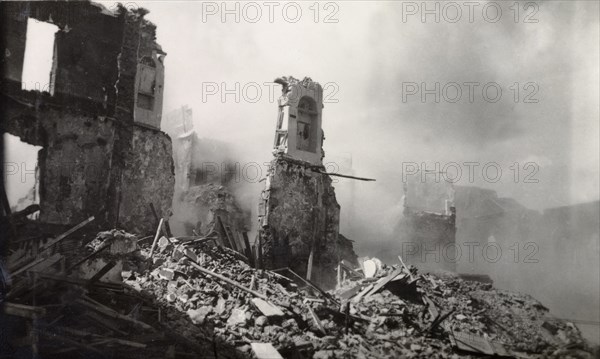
[306, 139]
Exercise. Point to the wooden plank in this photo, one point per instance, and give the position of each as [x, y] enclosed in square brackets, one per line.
[316, 320]
[167, 228]
[231, 238]
[236, 238]
[360, 295]
[380, 284]
[82, 333]
[344, 296]
[471, 343]
[438, 320]
[66, 234]
[312, 285]
[91, 255]
[265, 351]
[30, 265]
[248, 249]
[309, 266]
[406, 268]
[62, 278]
[112, 313]
[266, 308]
[351, 270]
[104, 322]
[431, 307]
[228, 242]
[345, 176]
[47, 263]
[107, 267]
[23, 311]
[55, 337]
[156, 236]
[227, 280]
[54, 241]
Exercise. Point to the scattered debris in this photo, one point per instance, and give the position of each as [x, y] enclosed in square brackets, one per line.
[171, 305]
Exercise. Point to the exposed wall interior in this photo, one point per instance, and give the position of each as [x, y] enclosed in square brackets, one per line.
[103, 153]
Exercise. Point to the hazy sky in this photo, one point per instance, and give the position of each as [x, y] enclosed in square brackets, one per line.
[370, 59]
[373, 62]
[374, 59]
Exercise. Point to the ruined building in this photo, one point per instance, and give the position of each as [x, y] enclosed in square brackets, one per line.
[203, 202]
[103, 154]
[298, 211]
[428, 225]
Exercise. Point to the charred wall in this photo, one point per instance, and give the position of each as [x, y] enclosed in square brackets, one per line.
[99, 124]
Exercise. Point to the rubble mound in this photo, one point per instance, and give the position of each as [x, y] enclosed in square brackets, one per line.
[193, 297]
[397, 313]
[202, 204]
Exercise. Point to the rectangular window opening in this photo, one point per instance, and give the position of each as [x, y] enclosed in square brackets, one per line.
[21, 173]
[39, 55]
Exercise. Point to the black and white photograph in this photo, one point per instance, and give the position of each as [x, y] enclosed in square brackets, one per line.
[300, 179]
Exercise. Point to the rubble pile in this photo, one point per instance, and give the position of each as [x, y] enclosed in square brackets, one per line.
[394, 313]
[201, 205]
[190, 297]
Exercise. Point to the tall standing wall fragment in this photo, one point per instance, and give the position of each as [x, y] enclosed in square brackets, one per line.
[298, 211]
[103, 153]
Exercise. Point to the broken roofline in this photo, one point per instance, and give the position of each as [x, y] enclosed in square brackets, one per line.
[103, 67]
[105, 76]
[65, 13]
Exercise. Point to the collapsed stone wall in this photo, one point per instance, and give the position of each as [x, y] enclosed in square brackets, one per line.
[76, 150]
[429, 240]
[103, 153]
[299, 214]
[148, 177]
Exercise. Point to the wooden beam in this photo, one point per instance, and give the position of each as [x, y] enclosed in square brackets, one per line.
[66, 234]
[112, 313]
[224, 230]
[266, 308]
[316, 319]
[265, 351]
[30, 265]
[309, 265]
[23, 311]
[345, 176]
[248, 249]
[47, 263]
[93, 254]
[405, 267]
[102, 272]
[226, 280]
[160, 224]
[384, 281]
[313, 286]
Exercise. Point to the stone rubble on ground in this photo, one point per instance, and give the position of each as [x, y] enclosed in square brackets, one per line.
[388, 315]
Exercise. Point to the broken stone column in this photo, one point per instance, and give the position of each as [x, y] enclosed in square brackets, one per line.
[298, 211]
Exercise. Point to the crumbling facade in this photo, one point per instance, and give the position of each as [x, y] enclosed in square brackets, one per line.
[99, 124]
[298, 211]
[428, 225]
[203, 202]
